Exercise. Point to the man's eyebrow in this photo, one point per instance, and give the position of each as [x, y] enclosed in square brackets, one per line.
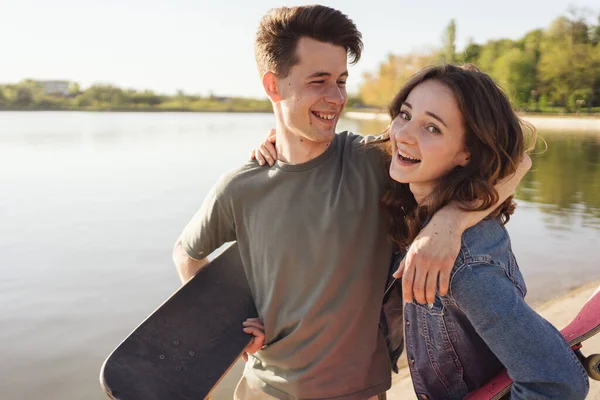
[407, 104]
[321, 74]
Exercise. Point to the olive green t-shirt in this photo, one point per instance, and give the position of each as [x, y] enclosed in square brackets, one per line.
[313, 241]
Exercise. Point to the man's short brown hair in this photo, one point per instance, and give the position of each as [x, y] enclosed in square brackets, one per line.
[281, 28]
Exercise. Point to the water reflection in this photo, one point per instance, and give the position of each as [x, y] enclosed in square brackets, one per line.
[565, 179]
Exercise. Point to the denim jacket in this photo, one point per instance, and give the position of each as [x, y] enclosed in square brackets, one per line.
[482, 325]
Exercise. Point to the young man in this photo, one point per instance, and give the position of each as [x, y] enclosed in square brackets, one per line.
[310, 230]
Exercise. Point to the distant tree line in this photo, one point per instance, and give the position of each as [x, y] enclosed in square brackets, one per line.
[32, 95]
[556, 69]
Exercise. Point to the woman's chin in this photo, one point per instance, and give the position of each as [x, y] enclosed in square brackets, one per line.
[399, 177]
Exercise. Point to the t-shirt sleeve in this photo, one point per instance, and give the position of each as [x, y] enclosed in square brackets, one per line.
[211, 227]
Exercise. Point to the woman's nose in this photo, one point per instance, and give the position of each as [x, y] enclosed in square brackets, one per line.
[403, 133]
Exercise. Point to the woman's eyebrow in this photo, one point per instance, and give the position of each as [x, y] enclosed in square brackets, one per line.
[436, 117]
[407, 104]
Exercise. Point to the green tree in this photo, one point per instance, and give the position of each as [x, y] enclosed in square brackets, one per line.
[449, 43]
[491, 51]
[515, 71]
[471, 53]
[569, 63]
[23, 97]
[74, 88]
[579, 30]
[105, 95]
[377, 90]
[595, 33]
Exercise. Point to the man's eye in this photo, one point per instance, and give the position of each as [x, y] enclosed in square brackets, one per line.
[319, 82]
[342, 83]
[404, 115]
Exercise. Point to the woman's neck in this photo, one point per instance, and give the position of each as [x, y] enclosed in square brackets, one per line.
[420, 191]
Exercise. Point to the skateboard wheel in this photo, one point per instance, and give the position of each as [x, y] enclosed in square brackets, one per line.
[592, 366]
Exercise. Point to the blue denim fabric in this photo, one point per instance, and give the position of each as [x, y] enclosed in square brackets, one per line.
[481, 326]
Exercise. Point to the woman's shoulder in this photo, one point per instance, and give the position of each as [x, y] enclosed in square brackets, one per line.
[486, 250]
[487, 242]
[488, 239]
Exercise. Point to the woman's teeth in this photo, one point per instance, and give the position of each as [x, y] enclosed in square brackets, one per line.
[407, 158]
[327, 117]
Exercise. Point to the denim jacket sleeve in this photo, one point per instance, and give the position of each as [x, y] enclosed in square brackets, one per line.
[536, 356]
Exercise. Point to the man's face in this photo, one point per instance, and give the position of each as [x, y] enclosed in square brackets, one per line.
[313, 95]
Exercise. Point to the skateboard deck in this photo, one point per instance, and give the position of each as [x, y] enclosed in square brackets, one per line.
[183, 349]
[585, 325]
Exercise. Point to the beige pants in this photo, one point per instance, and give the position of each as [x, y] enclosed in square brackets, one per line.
[245, 391]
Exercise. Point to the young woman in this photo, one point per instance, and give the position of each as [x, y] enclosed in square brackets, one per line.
[453, 136]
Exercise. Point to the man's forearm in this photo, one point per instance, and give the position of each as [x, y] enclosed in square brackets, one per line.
[187, 267]
[463, 220]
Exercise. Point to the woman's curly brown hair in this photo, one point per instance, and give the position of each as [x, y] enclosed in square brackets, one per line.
[494, 136]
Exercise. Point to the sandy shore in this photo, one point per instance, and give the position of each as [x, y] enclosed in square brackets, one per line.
[558, 123]
[559, 311]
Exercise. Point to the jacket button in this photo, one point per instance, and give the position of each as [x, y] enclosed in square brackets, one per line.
[407, 322]
[424, 397]
[412, 360]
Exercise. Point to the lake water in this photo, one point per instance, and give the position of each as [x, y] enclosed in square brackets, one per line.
[91, 205]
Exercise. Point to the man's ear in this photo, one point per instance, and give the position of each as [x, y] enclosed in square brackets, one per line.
[269, 81]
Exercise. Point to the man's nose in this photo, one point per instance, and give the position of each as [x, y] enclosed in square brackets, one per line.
[335, 95]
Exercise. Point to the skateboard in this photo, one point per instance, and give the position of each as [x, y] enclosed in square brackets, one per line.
[585, 325]
[183, 349]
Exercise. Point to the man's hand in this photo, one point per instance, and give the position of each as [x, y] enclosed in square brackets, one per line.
[253, 326]
[430, 258]
[266, 152]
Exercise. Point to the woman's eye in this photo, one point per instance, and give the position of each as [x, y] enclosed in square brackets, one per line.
[433, 129]
[404, 116]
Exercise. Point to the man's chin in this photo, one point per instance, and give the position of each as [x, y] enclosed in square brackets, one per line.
[325, 136]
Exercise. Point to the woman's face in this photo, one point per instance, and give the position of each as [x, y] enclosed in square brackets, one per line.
[427, 137]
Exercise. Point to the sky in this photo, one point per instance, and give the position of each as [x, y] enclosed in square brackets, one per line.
[204, 47]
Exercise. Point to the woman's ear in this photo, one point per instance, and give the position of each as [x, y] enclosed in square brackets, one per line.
[269, 81]
[466, 158]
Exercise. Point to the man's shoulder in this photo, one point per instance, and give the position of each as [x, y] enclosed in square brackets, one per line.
[234, 180]
[356, 138]
[356, 145]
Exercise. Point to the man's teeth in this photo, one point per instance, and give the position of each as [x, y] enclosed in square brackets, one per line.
[324, 116]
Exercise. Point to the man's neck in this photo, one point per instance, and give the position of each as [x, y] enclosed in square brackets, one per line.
[293, 149]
